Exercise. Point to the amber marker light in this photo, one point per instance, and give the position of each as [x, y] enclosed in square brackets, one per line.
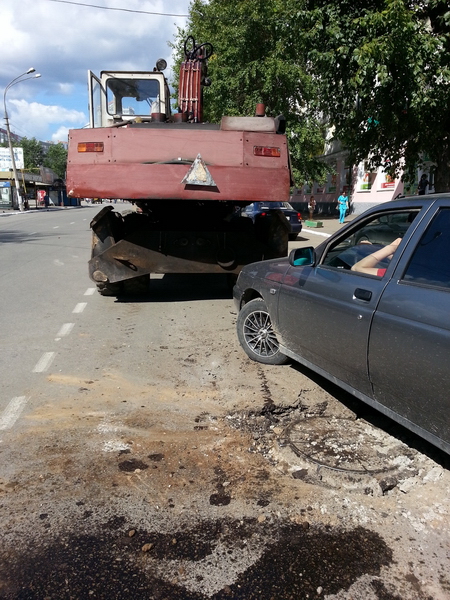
[266, 151]
[90, 147]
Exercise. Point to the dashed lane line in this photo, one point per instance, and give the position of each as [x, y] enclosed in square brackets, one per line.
[14, 408]
[79, 307]
[44, 362]
[65, 330]
[12, 412]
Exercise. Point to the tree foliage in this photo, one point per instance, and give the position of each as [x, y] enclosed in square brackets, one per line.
[33, 154]
[56, 159]
[254, 61]
[376, 71]
[383, 74]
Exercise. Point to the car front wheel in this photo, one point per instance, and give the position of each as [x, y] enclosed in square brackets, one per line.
[256, 334]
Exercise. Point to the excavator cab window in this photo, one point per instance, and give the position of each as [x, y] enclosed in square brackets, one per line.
[133, 96]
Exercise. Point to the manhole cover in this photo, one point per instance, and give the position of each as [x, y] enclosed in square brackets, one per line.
[347, 445]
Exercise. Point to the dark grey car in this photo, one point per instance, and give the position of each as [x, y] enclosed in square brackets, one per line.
[385, 338]
[262, 210]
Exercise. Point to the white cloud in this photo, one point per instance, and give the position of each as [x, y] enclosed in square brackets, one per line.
[66, 89]
[33, 119]
[61, 135]
[63, 41]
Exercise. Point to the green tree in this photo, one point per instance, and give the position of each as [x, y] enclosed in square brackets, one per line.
[33, 154]
[383, 74]
[56, 159]
[258, 59]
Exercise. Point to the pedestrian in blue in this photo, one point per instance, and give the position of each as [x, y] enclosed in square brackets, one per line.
[343, 205]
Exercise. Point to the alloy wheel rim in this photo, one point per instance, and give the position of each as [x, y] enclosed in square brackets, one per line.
[259, 334]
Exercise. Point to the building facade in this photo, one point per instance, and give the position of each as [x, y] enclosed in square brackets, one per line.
[366, 187]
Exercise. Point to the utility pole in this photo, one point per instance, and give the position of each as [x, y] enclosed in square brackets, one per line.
[11, 150]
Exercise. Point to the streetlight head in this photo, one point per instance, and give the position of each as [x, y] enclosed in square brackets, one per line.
[31, 70]
[38, 75]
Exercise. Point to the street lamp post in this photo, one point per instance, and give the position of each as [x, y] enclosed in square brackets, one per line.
[13, 161]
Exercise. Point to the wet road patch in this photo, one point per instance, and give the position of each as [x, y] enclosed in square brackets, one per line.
[132, 464]
[219, 560]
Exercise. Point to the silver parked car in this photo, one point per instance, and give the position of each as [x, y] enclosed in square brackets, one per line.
[383, 333]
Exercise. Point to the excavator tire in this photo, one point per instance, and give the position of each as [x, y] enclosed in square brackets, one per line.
[109, 289]
[138, 286]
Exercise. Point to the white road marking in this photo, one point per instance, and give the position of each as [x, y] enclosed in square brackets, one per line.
[79, 307]
[72, 223]
[12, 412]
[44, 362]
[316, 232]
[65, 329]
[56, 227]
[89, 292]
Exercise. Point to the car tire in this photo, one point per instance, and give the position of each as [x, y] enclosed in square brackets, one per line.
[256, 334]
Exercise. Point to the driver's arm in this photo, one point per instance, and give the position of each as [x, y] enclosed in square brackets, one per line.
[368, 264]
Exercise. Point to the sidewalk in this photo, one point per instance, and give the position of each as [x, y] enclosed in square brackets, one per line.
[330, 225]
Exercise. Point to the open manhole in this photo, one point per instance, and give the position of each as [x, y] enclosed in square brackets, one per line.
[329, 448]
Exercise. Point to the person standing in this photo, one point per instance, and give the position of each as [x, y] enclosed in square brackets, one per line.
[342, 202]
[311, 207]
[423, 183]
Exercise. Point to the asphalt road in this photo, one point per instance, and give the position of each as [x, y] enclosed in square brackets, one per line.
[142, 455]
[42, 278]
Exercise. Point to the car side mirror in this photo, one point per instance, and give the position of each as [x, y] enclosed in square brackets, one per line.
[302, 257]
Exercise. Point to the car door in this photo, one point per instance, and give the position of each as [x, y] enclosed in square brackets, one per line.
[97, 101]
[409, 347]
[325, 312]
[324, 316]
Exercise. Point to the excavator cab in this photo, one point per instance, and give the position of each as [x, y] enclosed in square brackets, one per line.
[118, 96]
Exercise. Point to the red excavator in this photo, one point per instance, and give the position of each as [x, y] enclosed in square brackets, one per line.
[188, 180]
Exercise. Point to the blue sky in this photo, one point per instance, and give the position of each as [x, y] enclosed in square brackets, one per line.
[62, 40]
